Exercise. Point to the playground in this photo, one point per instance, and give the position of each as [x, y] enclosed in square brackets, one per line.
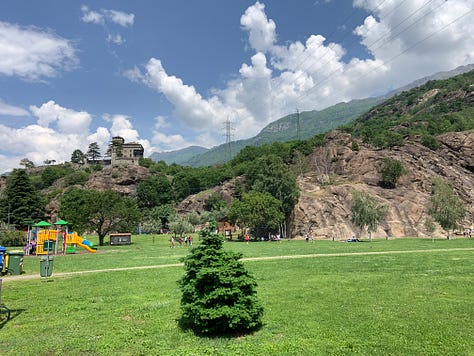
[404, 296]
[41, 240]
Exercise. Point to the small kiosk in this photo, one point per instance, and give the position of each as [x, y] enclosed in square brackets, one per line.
[124, 238]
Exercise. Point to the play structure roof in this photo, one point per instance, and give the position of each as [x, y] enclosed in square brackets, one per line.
[61, 222]
[42, 223]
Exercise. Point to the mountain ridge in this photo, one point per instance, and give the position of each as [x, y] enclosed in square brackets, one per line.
[285, 128]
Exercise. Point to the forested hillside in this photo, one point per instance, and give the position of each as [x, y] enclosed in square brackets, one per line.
[429, 110]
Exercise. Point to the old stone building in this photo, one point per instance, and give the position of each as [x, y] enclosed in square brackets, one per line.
[125, 153]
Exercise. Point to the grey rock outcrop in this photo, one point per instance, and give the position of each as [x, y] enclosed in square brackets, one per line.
[337, 169]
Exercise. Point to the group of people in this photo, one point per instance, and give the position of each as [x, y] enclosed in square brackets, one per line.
[188, 241]
[271, 237]
[468, 232]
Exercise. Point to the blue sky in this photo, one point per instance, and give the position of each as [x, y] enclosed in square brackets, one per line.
[168, 73]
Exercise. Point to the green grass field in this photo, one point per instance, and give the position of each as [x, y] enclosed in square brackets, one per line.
[396, 297]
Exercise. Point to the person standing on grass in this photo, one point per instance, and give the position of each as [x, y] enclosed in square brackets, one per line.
[172, 242]
[247, 238]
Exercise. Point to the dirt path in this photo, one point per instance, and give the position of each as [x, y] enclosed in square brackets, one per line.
[24, 277]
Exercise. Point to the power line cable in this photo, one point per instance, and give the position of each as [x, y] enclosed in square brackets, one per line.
[406, 28]
[394, 57]
[353, 40]
[331, 46]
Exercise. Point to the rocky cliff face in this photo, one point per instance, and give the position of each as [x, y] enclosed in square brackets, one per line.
[122, 179]
[337, 169]
[196, 202]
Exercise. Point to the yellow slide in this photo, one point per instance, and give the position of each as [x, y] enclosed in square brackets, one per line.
[73, 238]
[86, 247]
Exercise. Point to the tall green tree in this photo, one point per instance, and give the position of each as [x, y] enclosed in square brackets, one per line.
[52, 173]
[78, 157]
[271, 175]
[155, 191]
[101, 212]
[257, 210]
[367, 212]
[186, 182]
[115, 146]
[163, 213]
[179, 225]
[22, 202]
[446, 207]
[93, 151]
[25, 162]
[300, 163]
[218, 294]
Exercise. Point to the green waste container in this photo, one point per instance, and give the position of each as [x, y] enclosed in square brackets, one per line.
[15, 262]
[46, 266]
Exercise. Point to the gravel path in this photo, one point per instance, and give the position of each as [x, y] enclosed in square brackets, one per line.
[24, 277]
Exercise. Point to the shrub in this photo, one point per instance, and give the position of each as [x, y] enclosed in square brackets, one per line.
[96, 167]
[78, 177]
[10, 238]
[430, 141]
[219, 296]
[390, 172]
[52, 173]
[145, 162]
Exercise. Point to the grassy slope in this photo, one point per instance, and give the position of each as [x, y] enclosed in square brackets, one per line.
[391, 304]
[433, 108]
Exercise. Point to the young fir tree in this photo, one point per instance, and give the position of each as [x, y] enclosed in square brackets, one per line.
[22, 201]
[219, 296]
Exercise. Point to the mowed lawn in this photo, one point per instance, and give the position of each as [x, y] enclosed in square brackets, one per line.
[396, 297]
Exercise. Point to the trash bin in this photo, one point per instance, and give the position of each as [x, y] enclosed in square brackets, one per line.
[46, 266]
[15, 262]
[3, 251]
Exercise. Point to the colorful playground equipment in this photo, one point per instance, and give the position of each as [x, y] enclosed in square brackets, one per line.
[72, 240]
[54, 241]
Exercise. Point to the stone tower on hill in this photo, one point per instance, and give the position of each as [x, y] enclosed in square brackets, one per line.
[125, 153]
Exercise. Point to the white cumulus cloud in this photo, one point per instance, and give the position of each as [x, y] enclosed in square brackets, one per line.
[66, 120]
[406, 40]
[119, 17]
[10, 110]
[34, 54]
[261, 30]
[104, 15]
[105, 18]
